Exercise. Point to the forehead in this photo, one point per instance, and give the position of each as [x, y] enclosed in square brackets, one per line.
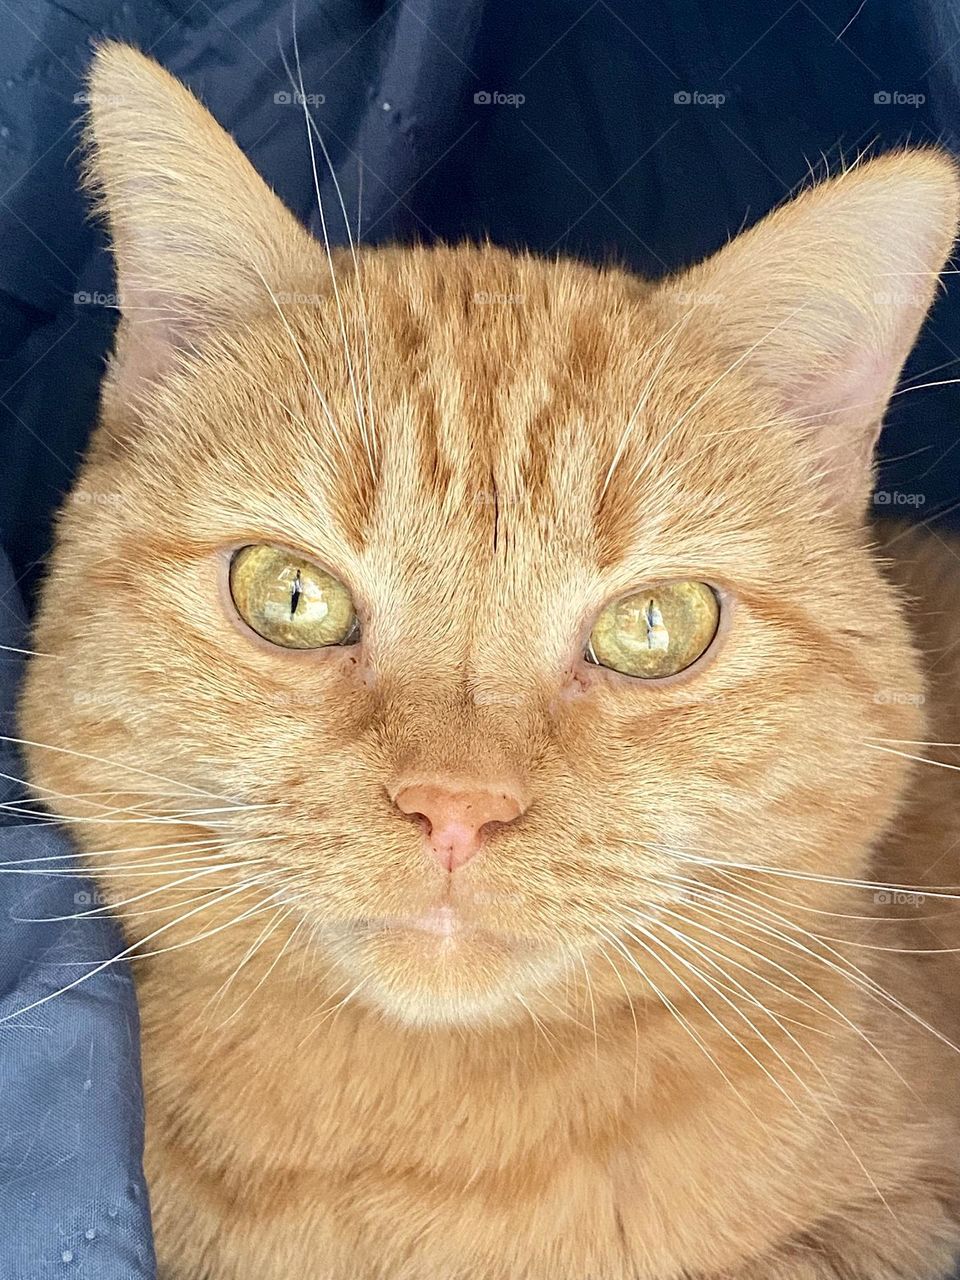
[449, 409]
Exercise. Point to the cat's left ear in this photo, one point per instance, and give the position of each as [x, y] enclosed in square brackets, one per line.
[198, 237]
[824, 298]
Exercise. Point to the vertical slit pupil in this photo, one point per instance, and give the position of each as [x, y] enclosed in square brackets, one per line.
[296, 594]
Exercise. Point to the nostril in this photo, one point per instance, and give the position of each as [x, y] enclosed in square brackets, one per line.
[492, 827]
[422, 821]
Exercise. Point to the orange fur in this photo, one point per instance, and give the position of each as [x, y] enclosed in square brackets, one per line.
[657, 1046]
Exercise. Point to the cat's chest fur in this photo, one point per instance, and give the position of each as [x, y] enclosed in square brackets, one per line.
[379, 1158]
[343, 1195]
[356, 1154]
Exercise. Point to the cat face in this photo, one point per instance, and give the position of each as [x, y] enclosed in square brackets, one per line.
[479, 480]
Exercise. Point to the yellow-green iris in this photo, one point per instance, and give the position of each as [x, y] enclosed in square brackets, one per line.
[290, 601]
[656, 632]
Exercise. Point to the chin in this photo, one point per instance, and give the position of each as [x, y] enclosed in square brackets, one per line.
[432, 971]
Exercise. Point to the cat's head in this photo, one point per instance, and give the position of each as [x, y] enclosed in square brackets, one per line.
[560, 591]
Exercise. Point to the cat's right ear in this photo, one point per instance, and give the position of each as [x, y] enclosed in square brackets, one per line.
[197, 236]
[823, 299]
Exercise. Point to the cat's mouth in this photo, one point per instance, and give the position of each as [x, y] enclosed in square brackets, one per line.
[445, 923]
[435, 960]
[440, 965]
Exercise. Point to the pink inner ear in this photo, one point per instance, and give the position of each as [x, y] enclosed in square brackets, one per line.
[841, 416]
[150, 333]
[852, 384]
[837, 375]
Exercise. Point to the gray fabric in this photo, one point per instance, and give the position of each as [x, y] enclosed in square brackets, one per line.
[72, 1197]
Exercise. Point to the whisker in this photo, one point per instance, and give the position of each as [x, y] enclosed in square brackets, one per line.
[793, 1072]
[633, 1014]
[593, 1008]
[724, 915]
[697, 924]
[644, 396]
[24, 865]
[674, 1011]
[904, 755]
[338, 436]
[308, 121]
[28, 653]
[128, 951]
[790, 873]
[630, 931]
[846, 968]
[369, 436]
[654, 455]
[538, 1025]
[112, 907]
[251, 952]
[114, 764]
[332, 1012]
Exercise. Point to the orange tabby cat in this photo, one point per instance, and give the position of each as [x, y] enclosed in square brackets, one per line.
[499, 729]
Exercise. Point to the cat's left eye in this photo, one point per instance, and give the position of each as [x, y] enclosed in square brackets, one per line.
[290, 601]
[656, 632]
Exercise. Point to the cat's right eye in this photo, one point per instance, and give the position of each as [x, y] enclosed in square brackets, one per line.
[290, 601]
[657, 632]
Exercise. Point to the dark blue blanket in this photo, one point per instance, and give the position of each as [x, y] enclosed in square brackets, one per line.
[600, 128]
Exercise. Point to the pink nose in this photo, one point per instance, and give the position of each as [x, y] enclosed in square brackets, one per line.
[456, 818]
